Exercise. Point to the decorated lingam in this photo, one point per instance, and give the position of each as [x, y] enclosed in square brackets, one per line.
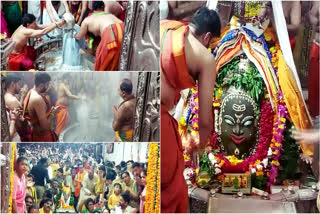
[251, 108]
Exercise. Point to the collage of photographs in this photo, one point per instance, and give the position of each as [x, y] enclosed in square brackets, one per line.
[160, 106]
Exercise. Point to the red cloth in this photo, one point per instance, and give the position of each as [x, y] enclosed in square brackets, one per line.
[23, 61]
[122, 15]
[292, 43]
[62, 118]
[36, 136]
[313, 81]
[174, 190]
[44, 136]
[26, 136]
[108, 52]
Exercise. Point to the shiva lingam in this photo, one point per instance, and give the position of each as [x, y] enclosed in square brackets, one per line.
[63, 53]
[238, 120]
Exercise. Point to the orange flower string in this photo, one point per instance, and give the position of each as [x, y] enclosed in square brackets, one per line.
[152, 204]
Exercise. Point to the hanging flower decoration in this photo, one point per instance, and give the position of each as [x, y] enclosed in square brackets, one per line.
[152, 204]
[13, 158]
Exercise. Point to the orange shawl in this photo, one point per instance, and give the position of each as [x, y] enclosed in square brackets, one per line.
[108, 52]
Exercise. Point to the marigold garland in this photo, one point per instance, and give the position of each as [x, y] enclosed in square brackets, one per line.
[11, 175]
[152, 204]
[64, 205]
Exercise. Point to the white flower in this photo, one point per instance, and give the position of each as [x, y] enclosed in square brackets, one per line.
[253, 170]
[187, 173]
[269, 152]
[259, 166]
[217, 171]
[265, 162]
[212, 159]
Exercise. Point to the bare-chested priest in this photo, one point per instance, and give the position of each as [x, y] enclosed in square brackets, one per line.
[65, 98]
[123, 115]
[13, 82]
[110, 29]
[37, 109]
[22, 57]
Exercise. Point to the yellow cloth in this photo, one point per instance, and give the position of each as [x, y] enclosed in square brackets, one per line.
[32, 192]
[118, 180]
[113, 200]
[99, 187]
[54, 168]
[42, 211]
[294, 101]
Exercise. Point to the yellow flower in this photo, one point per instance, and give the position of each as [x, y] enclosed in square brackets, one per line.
[196, 100]
[259, 173]
[216, 104]
[194, 133]
[271, 145]
[267, 36]
[277, 144]
[186, 157]
[275, 152]
[195, 125]
[182, 121]
[153, 180]
[197, 170]
[276, 163]
[266, 96]
[221, 163]
[257, 162]
[233, 160]
[219, 93]
[282, 119]
[281, 126]
[193, 90]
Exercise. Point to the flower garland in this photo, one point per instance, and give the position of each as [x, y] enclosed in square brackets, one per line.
[64, 206]
[11, 175]
[152, 204]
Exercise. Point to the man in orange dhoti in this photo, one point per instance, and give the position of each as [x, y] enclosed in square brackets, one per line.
[23, 56]
[64, 100]
[184, 60]
[110, 29]
[38, 111]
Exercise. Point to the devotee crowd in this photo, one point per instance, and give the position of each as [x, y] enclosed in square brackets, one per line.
[39, 112]
[74, 178]
[27, 23]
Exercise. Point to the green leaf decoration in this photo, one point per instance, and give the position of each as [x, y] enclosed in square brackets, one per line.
[250, 80]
